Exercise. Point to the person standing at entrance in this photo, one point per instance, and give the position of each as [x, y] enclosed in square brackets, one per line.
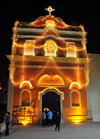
[54, 117]
[43, 118]
[7, 121]
[50, 114]
[57, 121]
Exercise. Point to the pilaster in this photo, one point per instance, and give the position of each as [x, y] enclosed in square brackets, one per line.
[86, 71]
[10, 90]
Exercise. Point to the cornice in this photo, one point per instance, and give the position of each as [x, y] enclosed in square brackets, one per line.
[30, 30]
[49, 67]
[18, 29]
[17, 58]
[44, 37]
[50, 85]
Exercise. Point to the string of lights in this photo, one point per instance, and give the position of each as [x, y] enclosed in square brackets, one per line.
[50, 47]
[42, 46]
[51, 58]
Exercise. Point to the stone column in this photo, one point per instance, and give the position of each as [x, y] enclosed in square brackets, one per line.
[86, 71]
[89, 102]
[40, 109]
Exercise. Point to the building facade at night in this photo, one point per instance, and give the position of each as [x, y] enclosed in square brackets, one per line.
[93, 88]
[49, 69]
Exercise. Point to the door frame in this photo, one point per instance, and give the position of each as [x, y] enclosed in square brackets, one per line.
[61, 94]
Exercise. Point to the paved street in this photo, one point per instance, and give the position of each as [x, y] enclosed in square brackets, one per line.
[68, 131]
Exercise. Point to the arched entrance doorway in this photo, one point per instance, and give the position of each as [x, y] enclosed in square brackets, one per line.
[51, 100]
[46, 91]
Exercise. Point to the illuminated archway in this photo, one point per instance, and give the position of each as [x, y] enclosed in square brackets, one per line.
[75, 85]
[48, 80]
[49, 89]
[61, 94]
[41, 78]
[26, 83]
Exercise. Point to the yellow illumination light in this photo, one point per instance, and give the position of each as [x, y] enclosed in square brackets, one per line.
[41, 70]
[41, 46]
[16, 23]
[43, 76]
[46, 109]
[76, 121]
[24, 122]
[49, 80]
[53, 90]
[25, 115]
[50, 23]
[50, 47]
[51, 58]
[73, 83]
[60, 78]
[30, 85]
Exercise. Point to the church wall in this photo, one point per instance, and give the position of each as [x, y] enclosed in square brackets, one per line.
[20, 50]
[43, 63]
[40, 42]
[72, 114]
[32, 75]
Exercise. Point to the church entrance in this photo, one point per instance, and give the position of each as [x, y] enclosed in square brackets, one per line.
[51, 100]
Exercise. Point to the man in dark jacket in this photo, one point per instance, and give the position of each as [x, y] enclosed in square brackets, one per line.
[7, 121]
[57, 121]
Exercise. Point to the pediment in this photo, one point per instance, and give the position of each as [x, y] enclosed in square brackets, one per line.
[41, 22]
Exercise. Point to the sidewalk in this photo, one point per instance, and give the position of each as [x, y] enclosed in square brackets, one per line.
[68, 131]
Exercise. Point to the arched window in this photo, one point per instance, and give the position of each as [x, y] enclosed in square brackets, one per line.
[25, 98]
[75, 98]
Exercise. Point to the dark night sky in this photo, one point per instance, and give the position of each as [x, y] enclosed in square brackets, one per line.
[71, 12]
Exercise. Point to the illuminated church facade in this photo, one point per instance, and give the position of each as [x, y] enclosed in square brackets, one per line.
[49, 69]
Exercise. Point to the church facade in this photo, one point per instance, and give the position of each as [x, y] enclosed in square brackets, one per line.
[49, 69]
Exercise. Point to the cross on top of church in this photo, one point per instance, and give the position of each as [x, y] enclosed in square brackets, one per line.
[50, 9]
